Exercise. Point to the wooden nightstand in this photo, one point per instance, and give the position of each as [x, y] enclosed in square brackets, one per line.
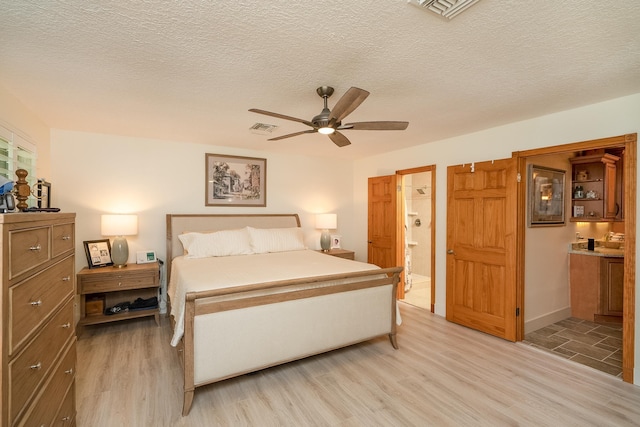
[113, 286]
[341, 253]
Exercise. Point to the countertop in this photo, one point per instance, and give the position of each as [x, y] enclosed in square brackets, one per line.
[580, 248]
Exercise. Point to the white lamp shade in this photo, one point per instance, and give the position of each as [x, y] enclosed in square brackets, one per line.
[119, 225]
[327, 221]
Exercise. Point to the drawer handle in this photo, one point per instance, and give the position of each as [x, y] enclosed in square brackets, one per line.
[65, 418]
[35, 248]
[69, 371]
[36, 366]
[66, 325]
[66, 237]
[36, 303]
[66, 279]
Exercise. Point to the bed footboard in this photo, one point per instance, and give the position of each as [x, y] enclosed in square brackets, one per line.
[234, 331]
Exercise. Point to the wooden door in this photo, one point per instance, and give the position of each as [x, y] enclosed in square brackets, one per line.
[481, 246]
[383, 227]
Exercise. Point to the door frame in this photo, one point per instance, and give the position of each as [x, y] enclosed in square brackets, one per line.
[432, 169]
[629, 143]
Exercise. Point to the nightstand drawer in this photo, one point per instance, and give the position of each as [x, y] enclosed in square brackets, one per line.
[115, 282]
[33, 300]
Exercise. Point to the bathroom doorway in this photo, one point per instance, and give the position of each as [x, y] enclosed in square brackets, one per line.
[417, 189]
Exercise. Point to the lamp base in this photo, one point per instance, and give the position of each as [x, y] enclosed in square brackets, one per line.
[119, 252]
[325, 240]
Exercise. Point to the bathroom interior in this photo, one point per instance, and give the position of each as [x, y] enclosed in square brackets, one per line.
[417, 208]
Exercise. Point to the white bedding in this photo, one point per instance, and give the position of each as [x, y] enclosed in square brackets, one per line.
[202, 274]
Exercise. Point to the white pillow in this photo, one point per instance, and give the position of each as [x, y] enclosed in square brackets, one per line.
[220, 243]
[276, 239]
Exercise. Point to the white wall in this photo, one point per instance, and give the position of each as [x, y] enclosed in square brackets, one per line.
[21, 121]
[94, 174]
[615, 117]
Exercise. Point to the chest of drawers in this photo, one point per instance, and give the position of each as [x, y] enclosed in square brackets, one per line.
[38, 332]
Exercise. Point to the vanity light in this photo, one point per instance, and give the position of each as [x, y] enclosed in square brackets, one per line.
[119, 226]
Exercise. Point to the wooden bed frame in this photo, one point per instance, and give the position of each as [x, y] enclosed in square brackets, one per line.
[336, 293]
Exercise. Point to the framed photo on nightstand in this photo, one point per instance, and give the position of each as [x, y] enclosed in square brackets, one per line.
[335, 241]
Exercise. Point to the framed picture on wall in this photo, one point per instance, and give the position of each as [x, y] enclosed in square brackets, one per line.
[546, 188]
[235, 181]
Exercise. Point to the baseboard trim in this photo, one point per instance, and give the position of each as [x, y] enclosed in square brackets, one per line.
[546, 319]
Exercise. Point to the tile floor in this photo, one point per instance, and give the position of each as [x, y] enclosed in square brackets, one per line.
[596, 345]
[420, 293]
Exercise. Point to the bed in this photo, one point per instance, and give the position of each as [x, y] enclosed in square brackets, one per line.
[245, 294]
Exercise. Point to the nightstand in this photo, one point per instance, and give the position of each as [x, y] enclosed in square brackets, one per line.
[341, 253]
[101, 288]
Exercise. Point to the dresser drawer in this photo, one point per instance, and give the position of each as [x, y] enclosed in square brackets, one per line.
[51, 399]
[67, 414]
[63, 239]
[32, 366]
[28, 249]
[33, 300]
[115, 282]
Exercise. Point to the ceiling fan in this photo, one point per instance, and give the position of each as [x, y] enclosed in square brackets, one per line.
[329, 122]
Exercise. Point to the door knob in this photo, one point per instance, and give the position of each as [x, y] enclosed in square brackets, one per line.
[450, 252]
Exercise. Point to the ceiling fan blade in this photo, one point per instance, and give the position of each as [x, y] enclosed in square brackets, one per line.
[345, 105]
[289, 135]
[339, 139]
[281, 116]
[387, 125]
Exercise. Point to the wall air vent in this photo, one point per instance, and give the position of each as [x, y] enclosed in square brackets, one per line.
[445, 8]
[263, 128]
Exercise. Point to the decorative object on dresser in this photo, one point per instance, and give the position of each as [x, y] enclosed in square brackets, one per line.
[38, 333]
[119, 289]
[335, 241]
[326, 222]
[119, 226]
[235, 181]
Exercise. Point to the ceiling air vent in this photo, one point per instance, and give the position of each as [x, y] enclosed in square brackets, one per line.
[263, 128]
[445, 8]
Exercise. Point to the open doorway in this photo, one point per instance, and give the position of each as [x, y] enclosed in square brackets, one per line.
[417, 217]
[558, 328]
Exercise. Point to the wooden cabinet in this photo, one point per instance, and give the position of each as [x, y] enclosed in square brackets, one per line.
[340, 253]
[611, 286]
[38, 333]
[117, 285]
[596, 287]
[594, 188]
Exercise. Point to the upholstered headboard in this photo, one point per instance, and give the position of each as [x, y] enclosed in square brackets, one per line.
[183, 223]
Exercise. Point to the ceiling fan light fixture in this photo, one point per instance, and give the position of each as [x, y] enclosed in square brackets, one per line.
[326, 130]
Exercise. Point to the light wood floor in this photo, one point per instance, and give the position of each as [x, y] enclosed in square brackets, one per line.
[442, 375]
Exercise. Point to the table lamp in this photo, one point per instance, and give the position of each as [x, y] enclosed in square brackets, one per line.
[326, 222]
[119, 226]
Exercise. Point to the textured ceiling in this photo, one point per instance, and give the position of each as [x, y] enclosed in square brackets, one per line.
[190, 70]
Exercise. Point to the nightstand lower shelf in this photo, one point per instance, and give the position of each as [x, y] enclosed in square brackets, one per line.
[103, 318]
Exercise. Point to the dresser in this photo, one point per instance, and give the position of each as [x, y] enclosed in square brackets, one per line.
[38, 331]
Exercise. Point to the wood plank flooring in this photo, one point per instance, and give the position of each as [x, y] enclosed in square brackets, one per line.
[442, 375]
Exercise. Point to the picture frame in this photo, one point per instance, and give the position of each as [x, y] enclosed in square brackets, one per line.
[43, 194]
[98, 253]
[546, 188]
[336, 241]
[235, 181]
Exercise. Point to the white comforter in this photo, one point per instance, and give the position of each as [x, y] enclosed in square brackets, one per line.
[202, 274]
